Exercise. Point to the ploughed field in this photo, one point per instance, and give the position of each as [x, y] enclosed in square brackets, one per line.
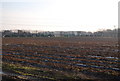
[57, 58]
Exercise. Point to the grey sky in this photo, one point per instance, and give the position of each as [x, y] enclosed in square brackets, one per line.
[60, 15]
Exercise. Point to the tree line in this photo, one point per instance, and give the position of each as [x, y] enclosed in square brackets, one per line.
[23, 33]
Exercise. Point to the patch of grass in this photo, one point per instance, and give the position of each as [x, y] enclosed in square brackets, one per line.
[35, 72]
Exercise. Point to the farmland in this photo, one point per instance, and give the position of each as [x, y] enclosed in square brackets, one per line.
[59, 58]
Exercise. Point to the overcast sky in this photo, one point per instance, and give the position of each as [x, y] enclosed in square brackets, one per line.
[60, 15]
